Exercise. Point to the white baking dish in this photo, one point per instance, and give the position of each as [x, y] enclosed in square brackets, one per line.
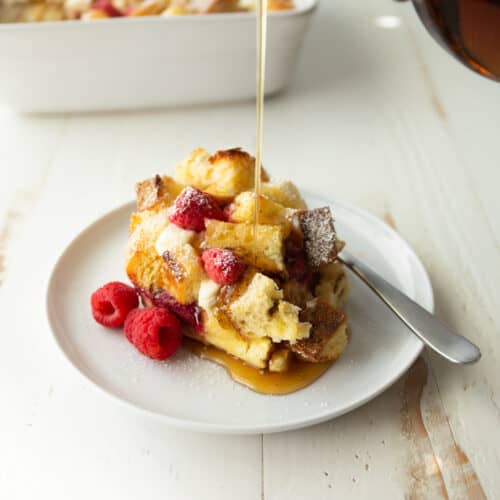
[144, 62]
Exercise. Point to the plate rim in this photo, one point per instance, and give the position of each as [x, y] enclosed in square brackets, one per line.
[205, 427]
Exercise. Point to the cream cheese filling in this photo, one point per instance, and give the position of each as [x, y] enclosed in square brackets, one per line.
[172, 237]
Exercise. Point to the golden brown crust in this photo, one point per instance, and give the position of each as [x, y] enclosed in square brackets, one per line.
[237, 155]
[155, 191]
[223, 174]
[280, 4]
[231, 154]
[214, 6]
[182, 274]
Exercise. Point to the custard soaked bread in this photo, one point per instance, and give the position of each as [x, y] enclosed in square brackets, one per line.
[265, 294]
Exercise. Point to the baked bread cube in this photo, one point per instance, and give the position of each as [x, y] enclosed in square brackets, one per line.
[224, 174]
[159, 190]
[254, 351]
[182, 273]
[143, 264]
[144, 268]
[243, 209]
[280, 360]
[280, 5]
[216, 6]
[260, 311]
[285, 193]
[261, 245]
[177, 270]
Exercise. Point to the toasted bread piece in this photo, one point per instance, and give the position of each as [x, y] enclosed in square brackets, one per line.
[143, 264]
[243, 209]
[177, 270]
[254, 351]
[178, 8]
[223, 174]
[280, 360]
[333, 285]
[145, 227]
[260, 312]
[157, 191]
[320, 238]
[144, 268]
[182, 273]
[285, 193]
[329, 333]
[216, 6]
[263, 247]
[280, 5]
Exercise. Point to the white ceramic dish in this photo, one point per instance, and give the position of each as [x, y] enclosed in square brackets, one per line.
[196, 394]
[144, 62]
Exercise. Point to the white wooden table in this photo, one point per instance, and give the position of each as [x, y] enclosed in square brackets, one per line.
[380, 117]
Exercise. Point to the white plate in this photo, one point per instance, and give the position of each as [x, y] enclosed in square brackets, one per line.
[196, 394]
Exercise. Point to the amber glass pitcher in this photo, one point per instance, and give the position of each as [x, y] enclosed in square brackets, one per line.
[468, 29]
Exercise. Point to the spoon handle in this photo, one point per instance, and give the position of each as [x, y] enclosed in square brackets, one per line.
[434, 333]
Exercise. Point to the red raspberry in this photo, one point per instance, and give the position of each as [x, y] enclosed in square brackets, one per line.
[107, 7]
[223, 266]
[189, 313]
[192, 207]
[154, 331]
[112, 302]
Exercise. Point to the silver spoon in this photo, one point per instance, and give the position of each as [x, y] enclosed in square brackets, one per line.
[431, 331]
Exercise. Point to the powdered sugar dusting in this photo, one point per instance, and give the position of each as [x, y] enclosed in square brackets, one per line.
[319, 236]
[222, 265]
[226, 261]
[194, 197]
[173, 266]
[192, 207]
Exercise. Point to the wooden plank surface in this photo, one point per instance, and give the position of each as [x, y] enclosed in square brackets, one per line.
[395, 126]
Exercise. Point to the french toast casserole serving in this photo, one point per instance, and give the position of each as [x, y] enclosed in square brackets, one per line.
[267, 294]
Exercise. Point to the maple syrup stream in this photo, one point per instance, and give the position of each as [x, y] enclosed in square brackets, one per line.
[261, 73]
[300, 374]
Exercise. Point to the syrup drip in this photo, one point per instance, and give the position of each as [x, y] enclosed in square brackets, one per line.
[300, 375]
[261, 70]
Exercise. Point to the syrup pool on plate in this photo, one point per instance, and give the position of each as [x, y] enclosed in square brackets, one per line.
[299, 375]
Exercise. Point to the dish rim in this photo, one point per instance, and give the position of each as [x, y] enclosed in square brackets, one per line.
[210, 428]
